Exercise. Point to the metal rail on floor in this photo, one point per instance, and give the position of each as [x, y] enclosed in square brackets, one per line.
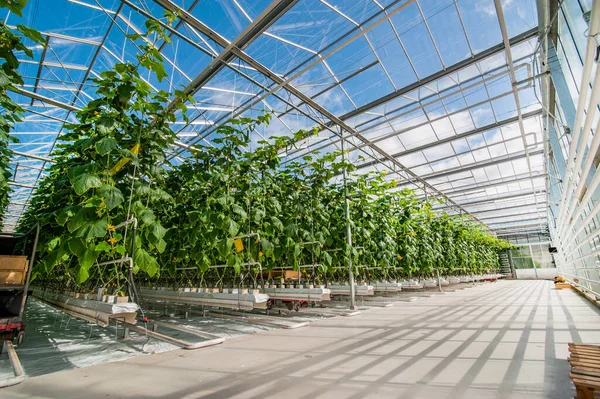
[19, 374]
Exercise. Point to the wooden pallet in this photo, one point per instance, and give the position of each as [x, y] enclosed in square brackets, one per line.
[560, 286]
[585, 369]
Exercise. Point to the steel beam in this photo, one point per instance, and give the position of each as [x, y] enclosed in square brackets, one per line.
[504, 208]
[32, 156]
[491, 184]
[498, 198]
[508, 215]
[470, 133]
[516, 221]
[490, 162]
[270, 15]
[43, 99]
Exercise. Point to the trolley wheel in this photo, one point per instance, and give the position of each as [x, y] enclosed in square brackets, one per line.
[20, 337]
[290, 305]
[304, 304]
[296, 306]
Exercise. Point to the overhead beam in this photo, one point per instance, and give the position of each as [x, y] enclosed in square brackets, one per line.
[270, 15]
[498, 198]
[515, 221]
[493, 161]
[44, 99]
[504, 208]
[32, 156]
[450, 139]
[492, 184]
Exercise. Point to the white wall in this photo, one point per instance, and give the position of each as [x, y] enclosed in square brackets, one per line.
[543, 274]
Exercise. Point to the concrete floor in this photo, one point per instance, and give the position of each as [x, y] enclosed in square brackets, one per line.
[499, 340]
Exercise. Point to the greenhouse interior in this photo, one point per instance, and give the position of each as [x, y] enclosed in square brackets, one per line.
[300, 198]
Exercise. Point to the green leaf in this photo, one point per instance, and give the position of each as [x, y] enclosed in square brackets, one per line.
[80, 218]
[88, 259]
[106, 125]
[239, 211]
[327, 259]
[155, 232]
[29, 32]
[111, 195]
[146, 262]
[234, 262]
[82, 274]
[103, 246]
[97, 228]
[231, 226]
[120, 249]
[161, 245]
[146, 215]
[14, 6]
[224, 247]
[77, 247]
[83, 181]
[267, 247]
[106, 145]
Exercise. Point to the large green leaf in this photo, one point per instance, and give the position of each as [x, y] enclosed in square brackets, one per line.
[97, 228]
[14, 6]
[224, 247]
[155, 232]
[106, 145]
[82, 181]
[234, 262]
[82, 274]
[146, 262]
[267, 247]
[111, 195]
[28, 32]
[77, 246]
[82, 216]
[106, 124]
[63, 215]
[146, 215]
[88, 258]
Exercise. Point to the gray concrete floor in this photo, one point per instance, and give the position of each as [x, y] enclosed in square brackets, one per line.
[498, 340]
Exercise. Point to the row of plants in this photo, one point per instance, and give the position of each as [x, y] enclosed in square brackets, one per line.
[12, 44]
[232, 211]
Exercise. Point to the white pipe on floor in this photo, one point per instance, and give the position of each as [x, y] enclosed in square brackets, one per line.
[584, 87]
[16, 365]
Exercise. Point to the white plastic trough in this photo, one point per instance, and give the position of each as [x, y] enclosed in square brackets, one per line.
[453, 280]
[385, 286]
[235, 300]
[360, 290]
[299, 294]
[99, 311]
[411, 285]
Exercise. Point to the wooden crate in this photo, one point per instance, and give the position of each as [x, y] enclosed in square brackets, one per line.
[560, 286]
[12, 277]
[285, 274]
[585, 369]
[10, 262]
[13, 270]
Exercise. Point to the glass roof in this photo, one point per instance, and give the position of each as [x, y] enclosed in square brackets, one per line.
[424, 90]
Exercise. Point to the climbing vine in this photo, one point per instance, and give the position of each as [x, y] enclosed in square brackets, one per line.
[11, 44]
